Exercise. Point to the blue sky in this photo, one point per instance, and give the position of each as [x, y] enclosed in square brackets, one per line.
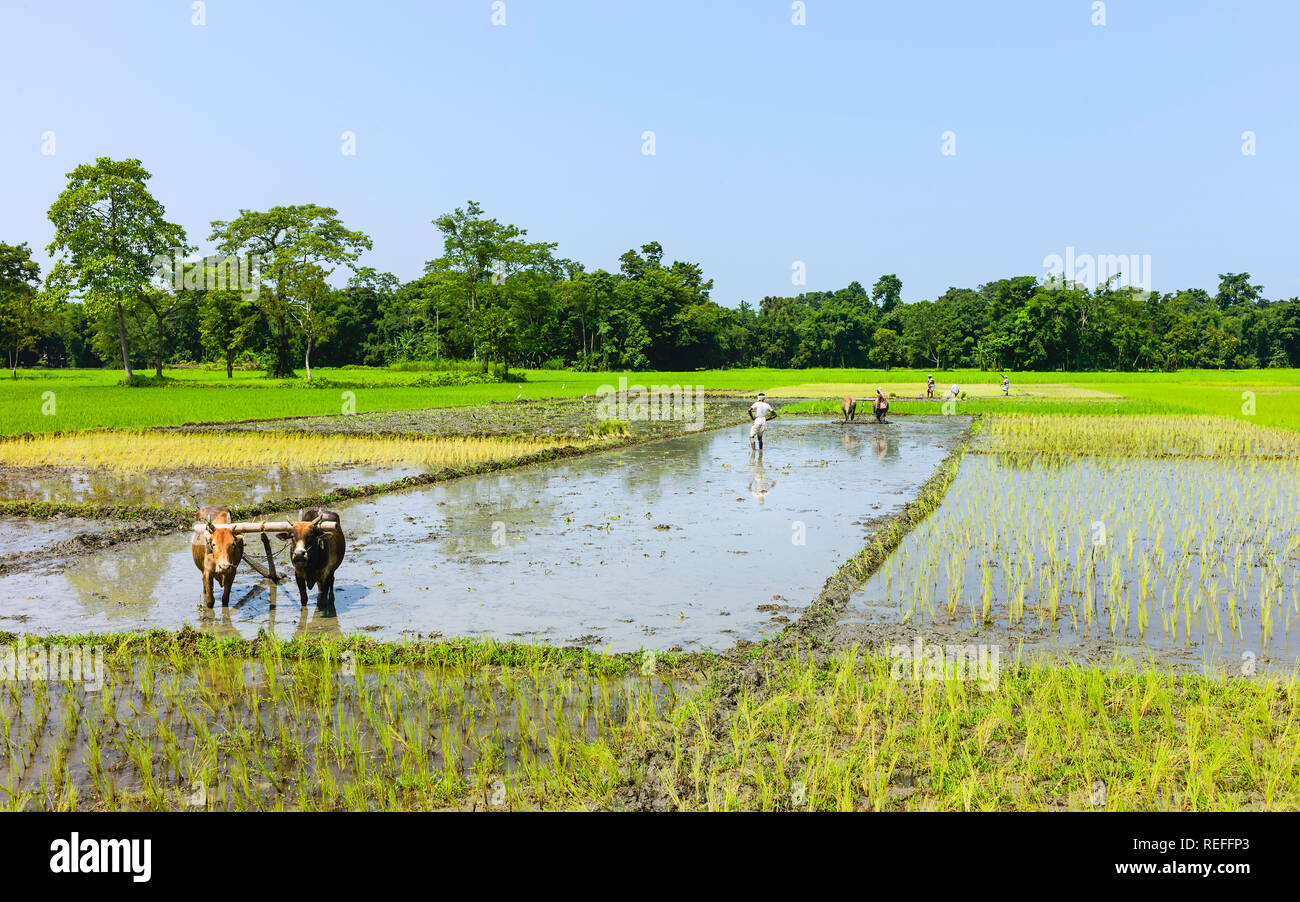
[774, 143]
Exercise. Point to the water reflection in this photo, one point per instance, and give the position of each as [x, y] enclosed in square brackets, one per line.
[759, 483]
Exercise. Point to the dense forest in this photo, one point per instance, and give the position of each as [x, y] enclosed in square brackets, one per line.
[496, 297]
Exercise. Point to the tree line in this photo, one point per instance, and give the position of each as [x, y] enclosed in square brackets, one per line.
[127, 288]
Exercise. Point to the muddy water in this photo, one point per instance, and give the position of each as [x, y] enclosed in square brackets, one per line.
[1192, 560]
[688, 543]
[20, 535]
[185, 487]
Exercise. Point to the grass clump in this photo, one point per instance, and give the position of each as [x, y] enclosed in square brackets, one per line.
[1137, 436]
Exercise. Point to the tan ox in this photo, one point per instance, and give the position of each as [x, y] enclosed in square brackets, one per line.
[217, 552]
[849, 408]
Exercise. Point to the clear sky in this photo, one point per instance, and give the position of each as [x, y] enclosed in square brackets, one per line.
[774, 142]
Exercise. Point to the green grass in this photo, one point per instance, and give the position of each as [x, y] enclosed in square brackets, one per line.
[83, 399]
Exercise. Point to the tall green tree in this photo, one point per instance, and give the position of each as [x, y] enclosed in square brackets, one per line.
[887, 293]
[1235, 289]
[478, 252]
[108, 232]
[288, 240]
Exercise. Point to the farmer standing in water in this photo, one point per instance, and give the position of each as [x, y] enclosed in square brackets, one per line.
[760, 412]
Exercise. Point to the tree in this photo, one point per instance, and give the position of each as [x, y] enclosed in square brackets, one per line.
[884, 348]
[887, 293]
[310, 308]
[150, 312]
[226, 319]
[496, 332]
[1235, 288]
[287, 240]
[479, 251]
[108, 231]
[930, 332]
[355, 314]
[1219, 345]
[25, 314]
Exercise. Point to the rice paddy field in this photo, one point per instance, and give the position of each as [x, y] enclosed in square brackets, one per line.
[327, 727]
[1125, 544]
[1196, 553]
[186, 723]
[133, 451]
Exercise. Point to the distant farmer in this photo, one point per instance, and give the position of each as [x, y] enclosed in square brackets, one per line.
[1006, 385]
[956, 390]
[929, 386]
[760, 412]
[880, 406]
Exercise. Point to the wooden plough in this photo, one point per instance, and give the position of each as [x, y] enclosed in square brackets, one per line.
[263, 527]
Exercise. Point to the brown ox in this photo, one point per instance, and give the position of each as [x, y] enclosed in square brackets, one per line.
[316, 553]
[849, 408]
[216, 552]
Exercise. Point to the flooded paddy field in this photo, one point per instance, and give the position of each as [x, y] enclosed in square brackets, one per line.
[22, 535]
[686, 543]
[1194, 560]
[228, 734]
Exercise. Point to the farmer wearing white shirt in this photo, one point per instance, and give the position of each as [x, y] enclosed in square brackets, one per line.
[760, 412]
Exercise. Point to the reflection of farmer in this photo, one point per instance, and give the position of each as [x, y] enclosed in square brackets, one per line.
[759, 484]
[880, 406]
[760, 412]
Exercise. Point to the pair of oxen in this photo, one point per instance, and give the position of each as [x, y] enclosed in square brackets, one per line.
[316, 547]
